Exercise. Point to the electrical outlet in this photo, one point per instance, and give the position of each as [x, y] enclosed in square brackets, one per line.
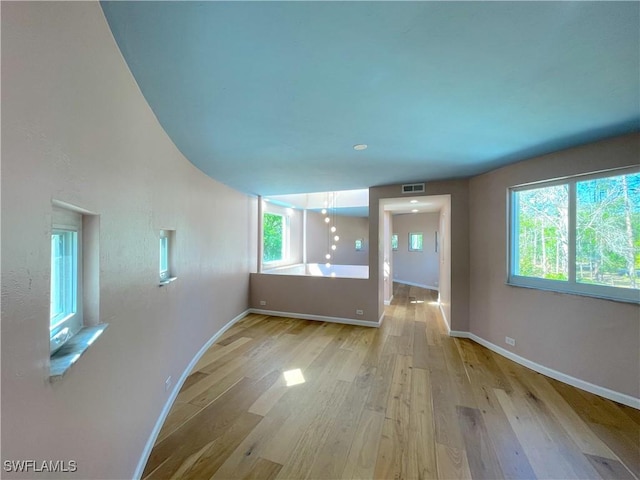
[167, 383]
[359, 312]
[510, 341]
[263, 302]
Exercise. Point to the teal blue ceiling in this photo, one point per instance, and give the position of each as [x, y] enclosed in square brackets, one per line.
[270, 97]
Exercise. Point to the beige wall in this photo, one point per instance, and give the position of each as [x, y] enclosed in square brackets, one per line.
[76, 128]
[348, 229]
[595, 340]
[416, 268]
[318, 296]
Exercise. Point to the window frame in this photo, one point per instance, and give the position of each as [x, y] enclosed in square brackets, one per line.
[571, 285]
[63, 328]
[411, 235]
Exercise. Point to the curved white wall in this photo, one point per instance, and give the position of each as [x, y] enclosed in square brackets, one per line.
[76, 128]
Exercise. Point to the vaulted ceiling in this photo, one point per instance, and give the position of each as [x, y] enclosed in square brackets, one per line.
[271, 97]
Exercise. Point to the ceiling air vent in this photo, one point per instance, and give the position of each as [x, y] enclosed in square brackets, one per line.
[413, 188]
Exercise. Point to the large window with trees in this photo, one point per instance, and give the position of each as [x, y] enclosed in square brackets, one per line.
[579, 235]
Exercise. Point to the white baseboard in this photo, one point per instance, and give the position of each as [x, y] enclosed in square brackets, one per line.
[174, 393]
[414, 284]
[388, 302]
[549, 372]
[319, 318]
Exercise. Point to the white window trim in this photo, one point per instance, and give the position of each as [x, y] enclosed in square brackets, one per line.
[167, 276]
[164, 274]
[64, 329]
[570, 286]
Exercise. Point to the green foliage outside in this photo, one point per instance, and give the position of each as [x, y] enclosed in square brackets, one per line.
[607, 244]
[608, 231]
[415, 241]
[272, 227]
[543, 236]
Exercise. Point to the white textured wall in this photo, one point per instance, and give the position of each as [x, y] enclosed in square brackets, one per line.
[592, 339]
[76, 128]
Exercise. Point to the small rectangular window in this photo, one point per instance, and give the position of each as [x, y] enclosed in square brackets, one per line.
[415, 242]
[66, 283]
[64, 276]
[394, 241]
[165, 245]
[359, 244]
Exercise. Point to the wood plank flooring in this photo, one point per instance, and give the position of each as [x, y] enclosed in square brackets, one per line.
[401, 401]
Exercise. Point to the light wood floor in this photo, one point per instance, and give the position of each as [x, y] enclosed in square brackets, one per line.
[402, 401]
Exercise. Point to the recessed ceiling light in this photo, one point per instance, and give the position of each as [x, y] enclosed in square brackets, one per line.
[413, 201]
[360, 146]
[415, 210]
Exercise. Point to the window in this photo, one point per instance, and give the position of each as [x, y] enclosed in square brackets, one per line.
[394, 241]
[580, 235]
[415, 242]
[359, 244]
[542, 220]
[64, 275]
[166, 248]
[274, 227]
[164, 255]
[65, 312]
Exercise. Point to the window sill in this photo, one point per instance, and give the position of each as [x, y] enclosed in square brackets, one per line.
[568, 291]
[167, 281]
[70, 352]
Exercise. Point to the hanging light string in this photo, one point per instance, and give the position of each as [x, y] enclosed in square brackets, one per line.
[327, 220]
[330, 219]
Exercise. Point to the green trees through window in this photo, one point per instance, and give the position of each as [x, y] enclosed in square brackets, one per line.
[415, 242]
[608, 231]
[543, 234]
[585, 230]
[273, 228]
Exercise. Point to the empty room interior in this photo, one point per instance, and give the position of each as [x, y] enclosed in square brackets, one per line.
[321, 240]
